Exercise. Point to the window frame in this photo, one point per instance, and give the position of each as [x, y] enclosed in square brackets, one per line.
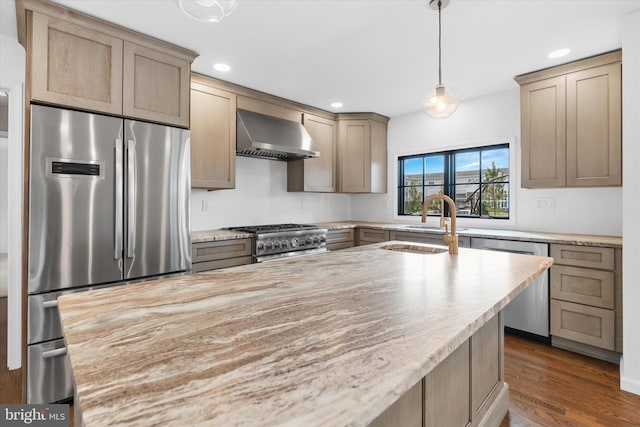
[449, 183]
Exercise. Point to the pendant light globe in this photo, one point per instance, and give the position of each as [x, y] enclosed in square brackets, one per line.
[207, 10]
[443, 101]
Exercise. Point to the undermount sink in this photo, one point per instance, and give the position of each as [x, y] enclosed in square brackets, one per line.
[413, 248]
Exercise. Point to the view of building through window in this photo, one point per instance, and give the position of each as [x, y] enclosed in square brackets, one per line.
[476, 178]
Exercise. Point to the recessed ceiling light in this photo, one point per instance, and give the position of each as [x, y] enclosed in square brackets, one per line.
[222, 67]
[336, 105]
[558, 53]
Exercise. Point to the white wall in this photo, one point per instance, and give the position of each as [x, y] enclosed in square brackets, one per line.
[485, 120]
[4, 202]
[630, 365]
[12, 71]
[261, 197]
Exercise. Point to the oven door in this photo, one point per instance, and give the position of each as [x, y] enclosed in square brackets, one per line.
[289, 255]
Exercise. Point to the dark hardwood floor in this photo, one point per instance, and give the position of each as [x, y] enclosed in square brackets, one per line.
[553, 387]
[548, 386]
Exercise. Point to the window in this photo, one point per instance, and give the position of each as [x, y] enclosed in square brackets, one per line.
[477, 179]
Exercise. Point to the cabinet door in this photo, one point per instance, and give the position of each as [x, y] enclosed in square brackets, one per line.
[594, 125]
[486, 365]
[543, 106]
[355, 162]
[317, 174]
[446, 391]
[213, 137]
[156, 86]
[75, 66]
[378, 157]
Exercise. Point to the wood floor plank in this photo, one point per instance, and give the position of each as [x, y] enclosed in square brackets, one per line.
[554, 387]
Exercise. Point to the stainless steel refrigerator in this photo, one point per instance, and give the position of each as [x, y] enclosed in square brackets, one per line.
[108, 203]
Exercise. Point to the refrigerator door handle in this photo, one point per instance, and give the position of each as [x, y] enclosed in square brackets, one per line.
[119, 202]
[131, 195]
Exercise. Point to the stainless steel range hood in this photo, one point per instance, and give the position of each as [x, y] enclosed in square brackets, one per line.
[259, 135]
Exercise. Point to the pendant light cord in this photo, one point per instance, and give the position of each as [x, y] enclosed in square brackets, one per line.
[439, 42]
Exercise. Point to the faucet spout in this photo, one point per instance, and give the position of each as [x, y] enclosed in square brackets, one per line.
[451, 238]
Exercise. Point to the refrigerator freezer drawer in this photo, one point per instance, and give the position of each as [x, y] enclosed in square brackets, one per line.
[44, 319]
[49, 373]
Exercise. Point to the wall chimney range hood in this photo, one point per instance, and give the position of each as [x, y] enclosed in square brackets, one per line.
[268, 137]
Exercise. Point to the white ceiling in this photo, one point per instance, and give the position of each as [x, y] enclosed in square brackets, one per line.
[373, 55]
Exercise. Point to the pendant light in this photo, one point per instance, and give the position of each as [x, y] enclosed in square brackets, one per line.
[443, 101]
[207, 10]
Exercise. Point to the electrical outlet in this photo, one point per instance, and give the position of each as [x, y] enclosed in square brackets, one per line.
[548, 203]
[207, 206]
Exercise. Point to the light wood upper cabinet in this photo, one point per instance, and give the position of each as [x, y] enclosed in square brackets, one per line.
[594, 139]
[571, 118]
[156, 85]
[73, 65]
[78, 61]
[318, 174]
[544, 140]
[213, 136]
[362, 154]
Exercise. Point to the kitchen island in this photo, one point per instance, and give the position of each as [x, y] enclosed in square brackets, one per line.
[354, 337]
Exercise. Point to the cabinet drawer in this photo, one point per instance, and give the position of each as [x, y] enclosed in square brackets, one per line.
[583, 256]
[369, 235]
[223, 249]
[581, 323]
[336, 236]
[582, 285]
[221, 263]
[339, 245]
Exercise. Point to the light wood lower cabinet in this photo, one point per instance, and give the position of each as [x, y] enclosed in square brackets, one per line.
[447, 394]
[213, 136]
[586, 300]
[340, 239]
[220, 254]
[466, 389]
[366, 236]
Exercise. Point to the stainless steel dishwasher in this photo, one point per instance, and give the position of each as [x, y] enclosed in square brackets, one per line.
[529, 311]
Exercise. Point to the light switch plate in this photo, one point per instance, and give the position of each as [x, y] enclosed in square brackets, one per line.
[546, 203]
[207, 206]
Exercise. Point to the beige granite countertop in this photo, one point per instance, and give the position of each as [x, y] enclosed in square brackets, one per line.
[327, 339]
[529, 236]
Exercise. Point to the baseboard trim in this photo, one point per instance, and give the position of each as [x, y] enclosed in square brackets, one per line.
[498, 409]
[585, 349]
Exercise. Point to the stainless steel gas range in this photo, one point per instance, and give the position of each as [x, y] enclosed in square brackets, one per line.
[276, 241]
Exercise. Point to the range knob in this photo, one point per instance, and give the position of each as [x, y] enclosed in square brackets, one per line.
[260, 246]
[309, 240]
[284, 243]
[276, 244]
[295, 242]
[323, 238]
[269, 245]
[316, 239]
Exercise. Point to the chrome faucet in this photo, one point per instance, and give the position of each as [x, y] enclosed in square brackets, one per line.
[450, 238]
